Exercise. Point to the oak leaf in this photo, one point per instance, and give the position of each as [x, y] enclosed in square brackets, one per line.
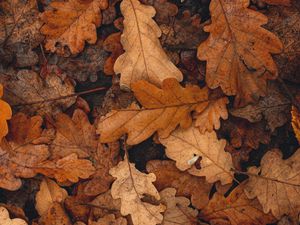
[5, 220]
[144, 58]
[235, 209]
[71, 23]
[55, 215]
[184, 145]
[296, 122]
[238, 51]
[131, 186]
[110, 219]
[276, 184]
[178, 210]
[26, 86]
[167, 175]
[5, 114]
[164, 109]
[278, 2]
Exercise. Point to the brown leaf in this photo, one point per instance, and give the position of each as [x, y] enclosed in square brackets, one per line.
[130, 186]
[55, 215]
[5, 114]
[5, 220]
[110, 219]
[278, 2]
[186, 146]
[71, 23]
[144, 58]
[167, 175]
[178, 210]
[238, 51]
[49, 193]
[235, 209]
[274, 108]
[164, 109]
[26, 86]
[276, 184]
[296, 122]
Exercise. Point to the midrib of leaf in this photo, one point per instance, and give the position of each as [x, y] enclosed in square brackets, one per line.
[140, 38]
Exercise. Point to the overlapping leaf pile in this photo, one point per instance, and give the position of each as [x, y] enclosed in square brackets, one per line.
[214, 155]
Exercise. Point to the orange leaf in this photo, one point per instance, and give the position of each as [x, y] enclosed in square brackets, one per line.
[5, 114]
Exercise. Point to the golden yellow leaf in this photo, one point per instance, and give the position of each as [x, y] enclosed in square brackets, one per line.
[238, 51]
[5, 114]
[186, 145]
[296, 122]
[71, 23]
[5, 220]
[144, 58]
[276, 184]
[131, 186]
[164, 109]
[235, 209]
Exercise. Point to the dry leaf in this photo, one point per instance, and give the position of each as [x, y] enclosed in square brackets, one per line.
[167, 175]
[144, 58]
[296, 122]
[71, 23]
[131, 186]
[164, 109]
[5, 220]
[26, 86]
[110, 219]
[274, 108]
[49, 193]
[238, 51]
[235, 209]
[178, 210]
[185, 146]
[278, 185]
[278, 2]
[55, 215]
[5, 114]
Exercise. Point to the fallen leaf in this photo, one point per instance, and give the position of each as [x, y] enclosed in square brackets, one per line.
[276, 184]
[274, 108]
[235, 209]
[238, 51]
[278, 2]
[296, 122]
[164, 109]
[55, 215]
[26, 87]
[178, 210]
[49, 193]
[19, 31]
[110, 219]
[77, 206]
[144, 58]
[5, 114]
[185, 145]
[71, 23]
[5, 220]
[167, 175]
[131, 186]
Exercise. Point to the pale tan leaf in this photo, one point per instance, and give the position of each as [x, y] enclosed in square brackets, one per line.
[235, 209]
[110, 219]
[131, 186]
[144, 58]
[164, 109]
[71, 23]
[276, 184]
[178, 210]
[5, 220]
[56, 215]
[238, 51]
[184, 145]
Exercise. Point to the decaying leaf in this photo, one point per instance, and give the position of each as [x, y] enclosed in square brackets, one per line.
[184, 145]
[49, 193]
[235, 209]
[278, 185]
[274, 108]
[110, 219]
[131, 186]
[238, 51]
[5, 220]
[164, 109]
[26, 86]
[144, 58]
[296, 122]
[178, 210]
[5, 114]
[167, 175]
[55, 215]
[71, 23]
[278, 2]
